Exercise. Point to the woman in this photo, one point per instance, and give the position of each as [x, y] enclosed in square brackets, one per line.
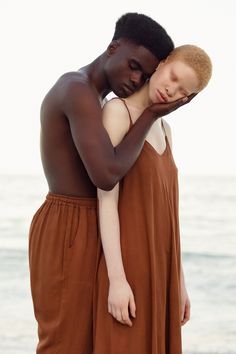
[140, 271]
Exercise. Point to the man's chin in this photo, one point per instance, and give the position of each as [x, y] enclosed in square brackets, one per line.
[120, 93]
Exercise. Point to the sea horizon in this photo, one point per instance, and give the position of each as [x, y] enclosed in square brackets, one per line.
[208, 242]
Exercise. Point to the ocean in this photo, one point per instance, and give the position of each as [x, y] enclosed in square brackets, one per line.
[208, 241]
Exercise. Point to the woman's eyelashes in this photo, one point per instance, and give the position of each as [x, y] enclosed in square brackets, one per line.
[173, 76]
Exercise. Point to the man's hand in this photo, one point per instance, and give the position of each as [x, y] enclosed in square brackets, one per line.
[185, 304]
[121, 301]
[162, 109]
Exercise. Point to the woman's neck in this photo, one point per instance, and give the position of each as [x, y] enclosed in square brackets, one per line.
[140, 99]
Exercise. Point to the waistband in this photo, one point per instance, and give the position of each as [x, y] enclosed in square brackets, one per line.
[80, 201]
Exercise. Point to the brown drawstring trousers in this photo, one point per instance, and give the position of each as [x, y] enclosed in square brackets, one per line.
[63, 252]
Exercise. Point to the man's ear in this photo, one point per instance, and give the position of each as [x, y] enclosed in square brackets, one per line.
[111, 49]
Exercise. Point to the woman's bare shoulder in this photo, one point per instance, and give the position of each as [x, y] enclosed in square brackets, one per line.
[116, 120]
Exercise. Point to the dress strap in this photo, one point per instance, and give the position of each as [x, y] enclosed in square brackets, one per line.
[162, 124]
[121, 99]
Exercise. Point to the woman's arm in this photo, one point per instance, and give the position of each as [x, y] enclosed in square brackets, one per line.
[185, 302]
[120, 299]
[110, 232]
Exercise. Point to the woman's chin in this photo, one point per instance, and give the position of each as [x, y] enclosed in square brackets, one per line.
[156, 100]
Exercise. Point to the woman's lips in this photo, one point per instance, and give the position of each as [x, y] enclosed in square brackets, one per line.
[161, 96]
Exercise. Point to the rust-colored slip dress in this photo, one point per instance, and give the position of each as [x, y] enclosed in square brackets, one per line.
[150, 243]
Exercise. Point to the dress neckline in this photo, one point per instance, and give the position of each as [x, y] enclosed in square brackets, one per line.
[145, 141]
[154, 150]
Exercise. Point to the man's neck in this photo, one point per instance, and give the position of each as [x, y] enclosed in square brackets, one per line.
[96, 76]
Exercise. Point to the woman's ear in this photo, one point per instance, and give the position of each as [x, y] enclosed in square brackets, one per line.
[112, 47]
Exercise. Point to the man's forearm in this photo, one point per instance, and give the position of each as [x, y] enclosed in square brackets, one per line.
[106, 164]
[127, 152]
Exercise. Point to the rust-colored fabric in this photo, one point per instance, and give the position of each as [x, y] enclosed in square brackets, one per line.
[63, 253]
[150, 243]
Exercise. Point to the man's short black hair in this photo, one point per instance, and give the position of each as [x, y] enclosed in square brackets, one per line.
[143, 30]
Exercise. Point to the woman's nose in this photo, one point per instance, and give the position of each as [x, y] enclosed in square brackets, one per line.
[170, 91]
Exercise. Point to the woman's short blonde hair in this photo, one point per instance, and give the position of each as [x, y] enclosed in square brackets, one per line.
[197, 59]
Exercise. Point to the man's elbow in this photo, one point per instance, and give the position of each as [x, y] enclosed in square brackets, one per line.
[105, 181]
[105, 185]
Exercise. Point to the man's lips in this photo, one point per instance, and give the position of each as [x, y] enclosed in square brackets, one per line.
[163, 97]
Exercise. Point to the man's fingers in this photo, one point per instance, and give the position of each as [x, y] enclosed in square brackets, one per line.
[180, 102]
[172, 106]
[190, 97]
[162, 109]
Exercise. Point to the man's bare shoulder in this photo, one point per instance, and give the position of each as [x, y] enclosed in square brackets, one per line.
[75, 82]
[74, 92]
[72, 96]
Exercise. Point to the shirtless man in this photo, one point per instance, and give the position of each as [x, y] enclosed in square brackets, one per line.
[78, 157]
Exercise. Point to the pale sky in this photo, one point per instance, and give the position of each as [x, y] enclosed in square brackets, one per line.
[41, 40]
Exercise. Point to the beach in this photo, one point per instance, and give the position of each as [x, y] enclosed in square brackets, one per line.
[208, 242]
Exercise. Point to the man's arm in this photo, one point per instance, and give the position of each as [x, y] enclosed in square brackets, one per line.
[105, 164]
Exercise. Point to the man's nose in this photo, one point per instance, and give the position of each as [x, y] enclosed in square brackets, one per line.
[137, 79]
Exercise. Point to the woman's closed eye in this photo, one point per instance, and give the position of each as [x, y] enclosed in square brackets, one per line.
[173, 76]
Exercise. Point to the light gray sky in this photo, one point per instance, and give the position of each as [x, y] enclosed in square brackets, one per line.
[40, 40]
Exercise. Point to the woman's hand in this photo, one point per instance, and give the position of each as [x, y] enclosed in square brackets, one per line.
[185, 304]
[121, 301]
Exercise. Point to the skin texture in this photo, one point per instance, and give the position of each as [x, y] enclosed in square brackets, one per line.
[174, 80]
[171, 81]
[76, 151]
